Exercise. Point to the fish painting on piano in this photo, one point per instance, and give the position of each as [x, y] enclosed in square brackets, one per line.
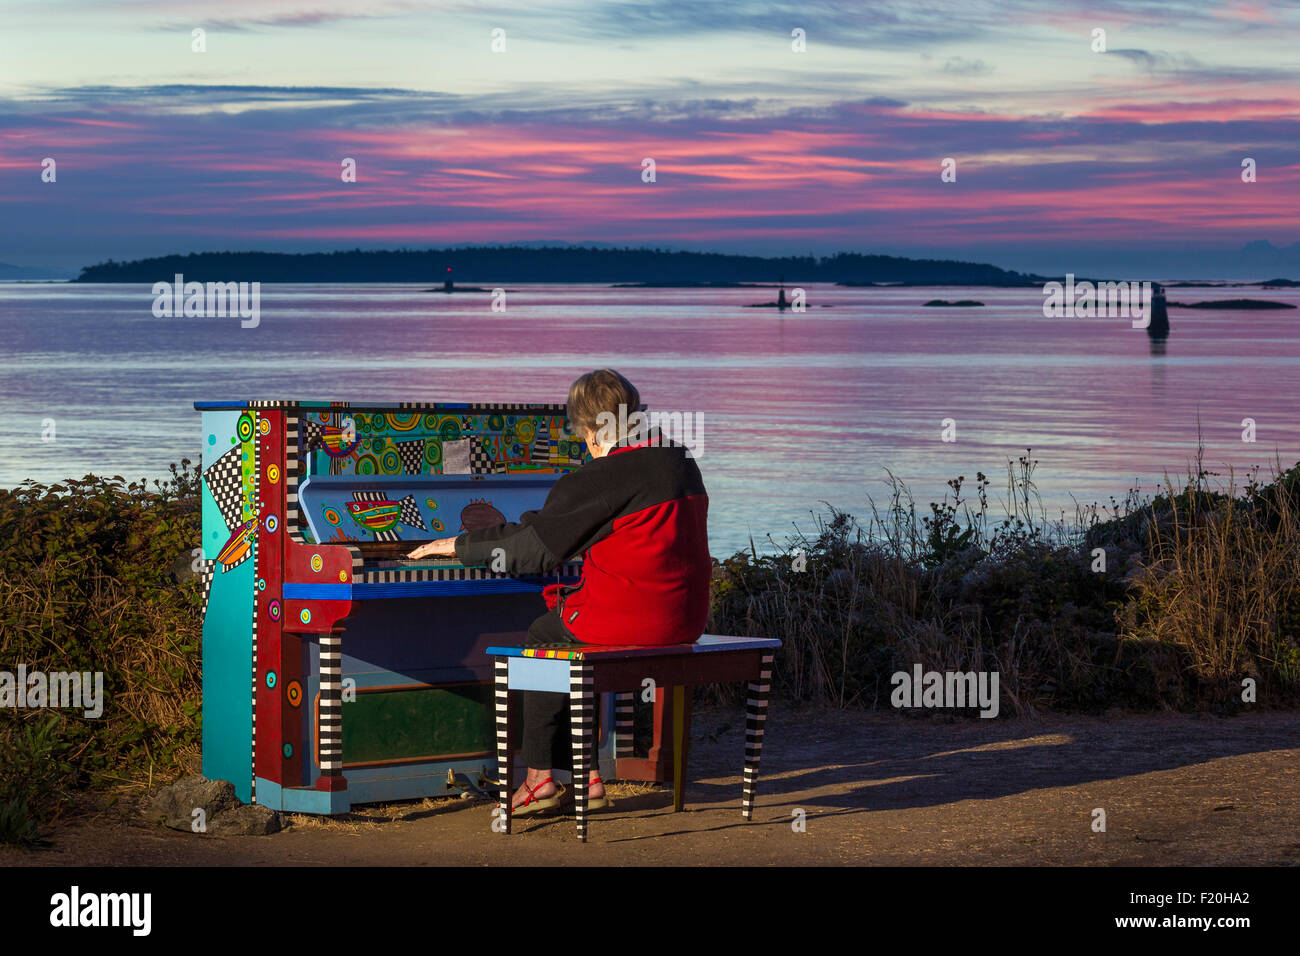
[239, 546]
[380, 515]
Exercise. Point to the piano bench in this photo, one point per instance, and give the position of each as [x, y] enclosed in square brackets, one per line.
[590, 670]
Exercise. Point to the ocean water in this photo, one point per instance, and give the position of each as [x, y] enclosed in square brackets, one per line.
[797, 411]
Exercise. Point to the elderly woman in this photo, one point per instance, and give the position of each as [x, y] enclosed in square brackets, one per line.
[637, 513]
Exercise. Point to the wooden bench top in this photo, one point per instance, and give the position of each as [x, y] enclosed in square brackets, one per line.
[708, 643]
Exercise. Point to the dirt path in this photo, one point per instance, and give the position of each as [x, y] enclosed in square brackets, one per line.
[876, 789]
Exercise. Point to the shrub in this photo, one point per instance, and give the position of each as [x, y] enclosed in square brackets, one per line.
[94, 577]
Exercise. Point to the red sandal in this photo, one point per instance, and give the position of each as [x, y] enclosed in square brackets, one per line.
[593, 803]
[598, 803]
[536, 804]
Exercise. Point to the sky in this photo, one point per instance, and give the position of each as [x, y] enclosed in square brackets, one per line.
[1065, 156]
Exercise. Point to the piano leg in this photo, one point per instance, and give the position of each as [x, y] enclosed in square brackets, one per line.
[505, 760]
[331, 712]
[582, 714]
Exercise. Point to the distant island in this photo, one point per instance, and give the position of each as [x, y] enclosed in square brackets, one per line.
[1232, 304]
[494, 265]
[953, 303]
[690, 284]
[1266, 284]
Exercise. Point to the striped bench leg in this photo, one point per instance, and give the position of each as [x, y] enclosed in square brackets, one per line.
[505, 765]
[755, 716]
[624, 724]
[581, 720]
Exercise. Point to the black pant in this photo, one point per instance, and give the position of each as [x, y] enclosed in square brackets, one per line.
[547, 737]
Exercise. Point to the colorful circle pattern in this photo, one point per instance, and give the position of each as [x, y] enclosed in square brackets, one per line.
[449, 428]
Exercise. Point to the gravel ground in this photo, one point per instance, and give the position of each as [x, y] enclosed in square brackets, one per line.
[869, 789]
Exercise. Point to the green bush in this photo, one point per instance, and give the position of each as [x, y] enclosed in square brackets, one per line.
[94, 577]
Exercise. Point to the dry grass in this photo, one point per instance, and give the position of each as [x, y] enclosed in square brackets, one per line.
[1222, 578]
[1201, 589]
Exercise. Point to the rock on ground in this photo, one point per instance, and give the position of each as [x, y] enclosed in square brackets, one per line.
[174, 805]
[223, 813]
[246, 820]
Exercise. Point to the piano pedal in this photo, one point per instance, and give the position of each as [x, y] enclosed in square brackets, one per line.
[472, 788]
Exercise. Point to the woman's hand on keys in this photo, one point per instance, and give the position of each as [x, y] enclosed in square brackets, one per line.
[442, 548]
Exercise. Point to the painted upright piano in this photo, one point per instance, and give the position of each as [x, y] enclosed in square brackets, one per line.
[335, 671]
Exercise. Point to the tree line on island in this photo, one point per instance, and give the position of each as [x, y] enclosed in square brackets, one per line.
[496, 264]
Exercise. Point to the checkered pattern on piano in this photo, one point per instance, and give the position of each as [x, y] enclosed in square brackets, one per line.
[412, 456]
[224, 481]
[412, 575]
[292, 466]
[481, 463]
[209, 566]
